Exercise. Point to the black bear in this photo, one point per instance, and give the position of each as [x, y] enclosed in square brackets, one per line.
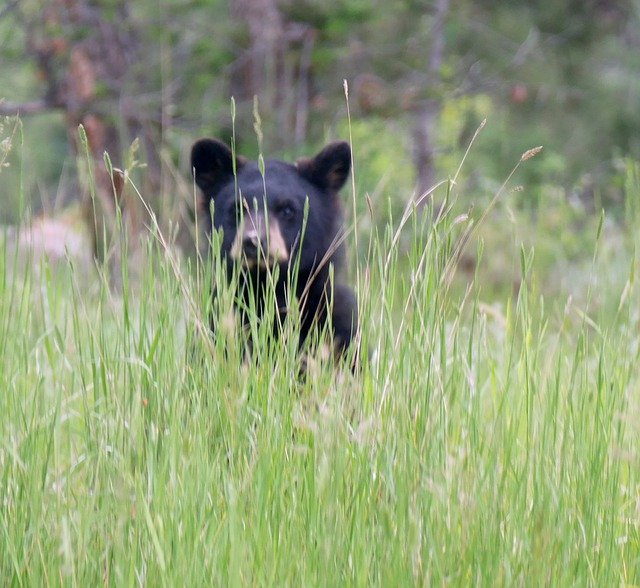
[287, 216]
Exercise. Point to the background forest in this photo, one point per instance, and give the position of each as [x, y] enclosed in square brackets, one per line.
[421, 75]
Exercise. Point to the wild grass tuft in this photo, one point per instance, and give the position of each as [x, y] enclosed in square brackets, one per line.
[480, 445]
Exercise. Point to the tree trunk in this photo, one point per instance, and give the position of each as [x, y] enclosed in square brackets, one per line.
[428, 111]
[87, 55]
[275, 67]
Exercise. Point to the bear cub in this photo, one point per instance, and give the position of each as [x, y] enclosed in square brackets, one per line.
[291, 218]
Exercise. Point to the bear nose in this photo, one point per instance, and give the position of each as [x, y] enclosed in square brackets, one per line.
[250, 244]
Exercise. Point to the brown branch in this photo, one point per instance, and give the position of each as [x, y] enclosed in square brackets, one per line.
[26, 108]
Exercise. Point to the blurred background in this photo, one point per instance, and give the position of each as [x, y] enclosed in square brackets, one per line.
[145, 79]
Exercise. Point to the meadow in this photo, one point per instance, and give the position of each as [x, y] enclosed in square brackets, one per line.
[483, 442]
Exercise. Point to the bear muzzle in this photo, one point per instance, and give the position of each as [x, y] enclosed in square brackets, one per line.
[259, 243]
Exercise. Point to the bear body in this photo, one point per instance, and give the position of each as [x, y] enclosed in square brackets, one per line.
[291, 218]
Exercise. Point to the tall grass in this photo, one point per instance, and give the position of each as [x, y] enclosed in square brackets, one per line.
[479, 445]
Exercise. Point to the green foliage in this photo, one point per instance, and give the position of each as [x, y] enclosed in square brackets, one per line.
[574, 65]
[334, 18]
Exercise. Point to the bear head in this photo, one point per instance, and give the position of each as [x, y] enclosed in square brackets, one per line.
[276, 213]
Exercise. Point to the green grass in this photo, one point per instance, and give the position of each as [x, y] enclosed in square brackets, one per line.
[481, 444]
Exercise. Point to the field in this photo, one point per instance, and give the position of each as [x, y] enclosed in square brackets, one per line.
[483, 443]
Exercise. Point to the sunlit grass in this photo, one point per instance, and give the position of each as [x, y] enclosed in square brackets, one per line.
[479, 445]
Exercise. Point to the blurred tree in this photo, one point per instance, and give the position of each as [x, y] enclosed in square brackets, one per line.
[428, 71]
[428, 109]
[274, 65]
[88, 60]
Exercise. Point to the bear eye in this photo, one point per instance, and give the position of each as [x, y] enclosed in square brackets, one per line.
[286, 211]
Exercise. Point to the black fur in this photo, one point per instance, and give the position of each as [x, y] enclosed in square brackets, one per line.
[240, 193]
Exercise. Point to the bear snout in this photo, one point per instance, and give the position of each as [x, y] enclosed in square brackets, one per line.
[259, 242]
[252, 243]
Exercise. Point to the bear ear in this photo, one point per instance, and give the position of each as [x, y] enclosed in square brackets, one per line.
[330, 168]
[212, 163]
